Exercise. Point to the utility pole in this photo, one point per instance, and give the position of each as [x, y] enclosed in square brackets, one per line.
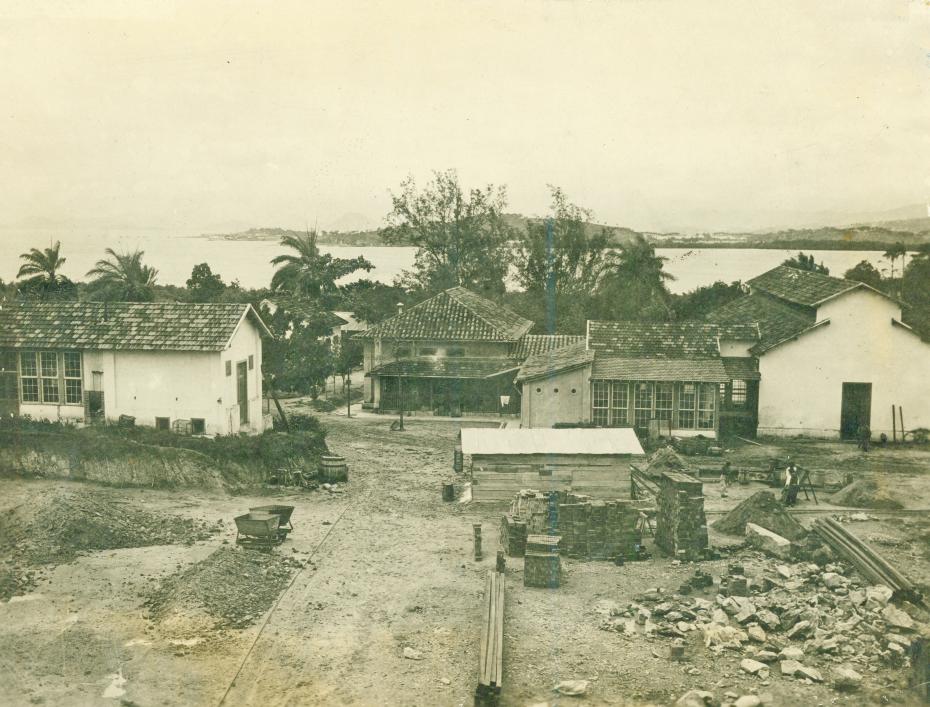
[349, 394]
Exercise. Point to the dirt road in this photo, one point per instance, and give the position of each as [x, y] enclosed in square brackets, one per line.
[387, 566]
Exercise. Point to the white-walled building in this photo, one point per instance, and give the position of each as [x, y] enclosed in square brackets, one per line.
[191, 367]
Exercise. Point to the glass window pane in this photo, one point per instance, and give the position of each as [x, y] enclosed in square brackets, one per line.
[619, 403]
[663, 396]
[738, 392]
[30, 390]
[50, 390]
[28, 362]
[72, 364]
[49, 361]
[73, 392]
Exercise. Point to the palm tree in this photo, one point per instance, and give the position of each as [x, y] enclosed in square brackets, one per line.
[124, 277]
[893, 253]
[310, 273]
[41, 270]
[634, 285]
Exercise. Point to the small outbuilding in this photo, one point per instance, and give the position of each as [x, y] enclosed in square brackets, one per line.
[586, 461]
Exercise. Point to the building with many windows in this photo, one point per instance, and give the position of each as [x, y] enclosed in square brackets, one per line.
[677, 378]
[188, 367]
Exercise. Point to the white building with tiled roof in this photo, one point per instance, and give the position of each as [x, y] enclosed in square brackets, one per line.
[187, 367]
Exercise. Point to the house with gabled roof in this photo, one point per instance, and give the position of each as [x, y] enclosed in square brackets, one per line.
[668, 377]
[834, 356]
[456, 353]
[192, 368]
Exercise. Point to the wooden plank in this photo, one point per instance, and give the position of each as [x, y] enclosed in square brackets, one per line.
[499, 652]
[491, 660]
[485, 628]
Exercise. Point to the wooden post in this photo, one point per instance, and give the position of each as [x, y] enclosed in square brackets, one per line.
[348, 395]
[477, 530]
[894, 426]
[901, 416]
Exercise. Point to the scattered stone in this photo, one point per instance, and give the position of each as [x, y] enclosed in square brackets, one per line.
[696, 698]
[846, 679]
[572, 687]
[789, 667]
[762, 509]
[766, 656]
[809, 673]
[791, 653]
[768, 620]
[768, 542]
[748, 701]
[897, 618]
[756, 634]
[878, 595]
[753, 667]
[832, 580]
[412, 654]
[800, 629]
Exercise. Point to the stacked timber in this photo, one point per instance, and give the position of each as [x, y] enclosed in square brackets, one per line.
[491, 648]
[681, 526]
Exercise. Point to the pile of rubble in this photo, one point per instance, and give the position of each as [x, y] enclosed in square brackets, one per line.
[800, 621]
[664, 460]
[764, 510]
[232, 588]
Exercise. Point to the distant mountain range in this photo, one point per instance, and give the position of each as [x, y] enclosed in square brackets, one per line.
[909, 229]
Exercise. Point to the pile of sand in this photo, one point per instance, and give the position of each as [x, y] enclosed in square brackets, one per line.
[666, 459]
[57, 525]
[232, 588]
[763, 509]
[866, 492]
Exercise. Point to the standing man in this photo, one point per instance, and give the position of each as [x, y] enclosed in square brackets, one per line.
[792, 484]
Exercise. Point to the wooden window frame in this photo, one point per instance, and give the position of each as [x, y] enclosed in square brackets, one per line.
[739, 393]
[71, 381]
[600, 414]
[710, 422]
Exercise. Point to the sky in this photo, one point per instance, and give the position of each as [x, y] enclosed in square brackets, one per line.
[657, 115]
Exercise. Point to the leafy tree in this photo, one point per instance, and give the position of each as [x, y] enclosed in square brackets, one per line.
[915, 291]
[299, 358]
[43, 279]
[309, 273]
[806, 262]
[204, 285]
[865, 272]
[893, 253]
[704, 299]
[123, 277]
[461, 238]
[373, 301]
[634, 284]
[558, 254]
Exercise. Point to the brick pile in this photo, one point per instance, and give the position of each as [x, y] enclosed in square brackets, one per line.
[589, 529]
[681, 526]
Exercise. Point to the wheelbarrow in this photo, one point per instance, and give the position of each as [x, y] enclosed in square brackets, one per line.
[259, 530]
[283, 512]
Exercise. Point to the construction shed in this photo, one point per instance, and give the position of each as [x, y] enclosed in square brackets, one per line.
[594, 462]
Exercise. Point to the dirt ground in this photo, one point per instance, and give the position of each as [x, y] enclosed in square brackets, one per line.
[379, 566]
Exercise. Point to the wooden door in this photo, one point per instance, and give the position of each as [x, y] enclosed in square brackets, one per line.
[856, 409]
[242, 391]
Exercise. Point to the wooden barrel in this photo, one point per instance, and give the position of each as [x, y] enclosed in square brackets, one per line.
[333, 469]
[448, 492]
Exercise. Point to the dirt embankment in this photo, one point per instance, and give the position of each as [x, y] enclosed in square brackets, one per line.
[868, 492]
[58, 525]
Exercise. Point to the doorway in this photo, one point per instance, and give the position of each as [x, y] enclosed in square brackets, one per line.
[856, 409]
[242, 391]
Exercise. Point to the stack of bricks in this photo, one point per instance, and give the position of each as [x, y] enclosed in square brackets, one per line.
[513, 535]
[681, 526]
[601, 530]
[542, 566]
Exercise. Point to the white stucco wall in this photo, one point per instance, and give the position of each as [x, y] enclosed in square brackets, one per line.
[173, 384]
[802, 380]
[547, 401]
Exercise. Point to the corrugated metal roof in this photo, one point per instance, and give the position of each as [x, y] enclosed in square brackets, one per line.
[701, 370]
[580, 441]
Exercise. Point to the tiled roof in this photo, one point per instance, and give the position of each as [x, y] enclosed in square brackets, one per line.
[533, 344]
[550, 362]
[800, 286]
[447, 367]
[665, 339]
[132, 326]
[702, 370]
[741, 368]
[453, 315]
[776, 320]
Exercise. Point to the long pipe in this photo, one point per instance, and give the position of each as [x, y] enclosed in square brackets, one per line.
[902, 580]
[863, 564]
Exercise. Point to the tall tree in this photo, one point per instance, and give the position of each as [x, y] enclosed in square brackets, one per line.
[634, 285]
[41, 271]
[309, 273]
[561, 253]
[892, 254]
[204, 285]
[461, 238]
[699, 301]
[865, 272]
[806, 262]
[123, 277]
[915, 291]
